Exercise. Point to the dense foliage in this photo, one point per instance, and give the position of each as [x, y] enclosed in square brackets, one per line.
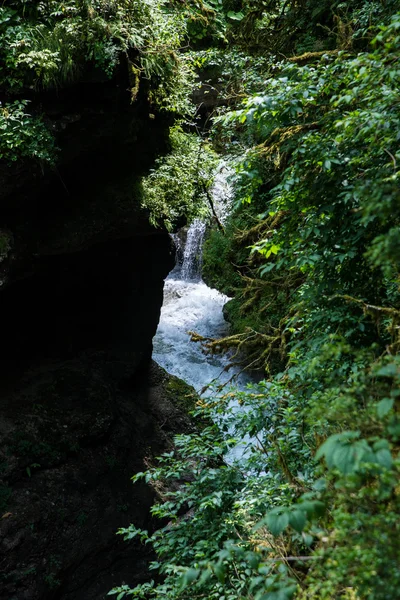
[296, 494]
[176, 189]
[50, 45]
[22, 135]
[309, 508]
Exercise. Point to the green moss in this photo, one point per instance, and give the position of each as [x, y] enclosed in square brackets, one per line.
[181, 394]
[134, 80]
[238, 320]
[218, 262]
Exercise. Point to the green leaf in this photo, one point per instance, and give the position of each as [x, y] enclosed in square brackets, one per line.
[334, 443]
[235, 16]
[297, 519]
[277, 521]
[190, 576]
[384, 458]
[344, 458]
[205, 576]
[219, 572]
[307, 539]
[384, 407]
[388, 371]
[312, 508]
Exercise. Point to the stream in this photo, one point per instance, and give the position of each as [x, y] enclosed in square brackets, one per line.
[190, 305]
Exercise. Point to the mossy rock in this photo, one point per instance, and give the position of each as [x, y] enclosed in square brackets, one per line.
[185, 399]
[181, 394]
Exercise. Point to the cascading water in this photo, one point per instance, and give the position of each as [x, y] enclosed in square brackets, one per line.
[222, 192]
[190, 305]
[192, 255]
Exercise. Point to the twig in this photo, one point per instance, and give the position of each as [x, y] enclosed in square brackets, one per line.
[210, 200]
[393, 159]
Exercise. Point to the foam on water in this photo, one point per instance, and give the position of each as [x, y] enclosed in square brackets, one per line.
[193, 306]
[193, 251]
[190, 306]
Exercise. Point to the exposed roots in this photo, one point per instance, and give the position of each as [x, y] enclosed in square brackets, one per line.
[262, 228]
[310, 57]
[251, 349]
[271, 148]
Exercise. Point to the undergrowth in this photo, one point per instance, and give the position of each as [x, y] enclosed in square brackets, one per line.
[293, 492]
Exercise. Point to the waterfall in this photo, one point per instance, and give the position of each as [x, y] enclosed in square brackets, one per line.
[190, 305]
[189, 252]
[192, 255]
[178, 249]
[222, 192]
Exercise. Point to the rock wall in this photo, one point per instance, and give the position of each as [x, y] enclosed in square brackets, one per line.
[72, 435]
[81, 409]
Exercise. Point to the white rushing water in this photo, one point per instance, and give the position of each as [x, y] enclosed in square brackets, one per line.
[193, 251]
[222, 192]
[190, 305]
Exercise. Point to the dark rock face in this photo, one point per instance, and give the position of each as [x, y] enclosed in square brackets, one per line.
[94, 193]
[81, 410]
[106, 297]
[72, 435]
